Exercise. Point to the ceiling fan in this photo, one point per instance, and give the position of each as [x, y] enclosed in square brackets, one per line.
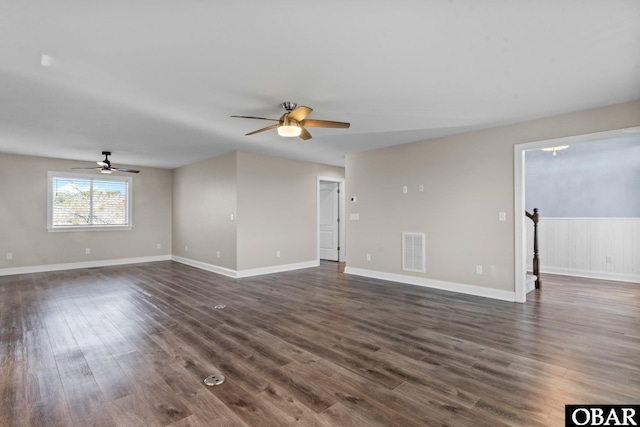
[105, 165]
[293, 122]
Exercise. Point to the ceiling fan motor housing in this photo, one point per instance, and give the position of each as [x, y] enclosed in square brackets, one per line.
[289, 106]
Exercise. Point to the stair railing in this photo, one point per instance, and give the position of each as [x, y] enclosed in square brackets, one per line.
[536, 259]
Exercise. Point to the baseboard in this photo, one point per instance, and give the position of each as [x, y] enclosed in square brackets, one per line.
[76, 265]
[600, 275]
[238, 274]
[277, 268]
[530, 283]
[435, 284]
[205, 266]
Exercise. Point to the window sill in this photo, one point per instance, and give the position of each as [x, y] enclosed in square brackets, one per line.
[90, 228]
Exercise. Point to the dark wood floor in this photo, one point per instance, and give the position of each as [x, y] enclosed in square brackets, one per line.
[131, 345]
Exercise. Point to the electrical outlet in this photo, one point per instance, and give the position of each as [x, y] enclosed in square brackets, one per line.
[478, 269]
[186, 248]
[502, 216]
[218, 254]
[87, 251]
[405, 189]
[277, 254]
[368, 257]
[9, 255]
[231, 217]
[609, 260]
[421, 188]
[158, 246]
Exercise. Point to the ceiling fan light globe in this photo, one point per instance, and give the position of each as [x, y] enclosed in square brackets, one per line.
[289, 130]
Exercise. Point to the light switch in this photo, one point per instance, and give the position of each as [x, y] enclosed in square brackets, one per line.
[502, 216]
[354, 217]
[405, 190]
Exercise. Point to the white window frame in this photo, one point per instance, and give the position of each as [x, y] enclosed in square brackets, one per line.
[94, 177]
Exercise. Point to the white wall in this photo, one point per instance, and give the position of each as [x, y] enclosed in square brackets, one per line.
[602, 248]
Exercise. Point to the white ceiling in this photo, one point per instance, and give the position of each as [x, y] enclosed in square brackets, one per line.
[156, 81]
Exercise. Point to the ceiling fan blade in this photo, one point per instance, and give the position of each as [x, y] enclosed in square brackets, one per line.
[300, 113]
[261, 130]
[98, 168]
[102, 164]
[304, 134]
[324, 124]
[125, 170]
[257, 118]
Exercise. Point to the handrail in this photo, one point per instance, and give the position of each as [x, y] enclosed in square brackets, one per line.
[536, 259]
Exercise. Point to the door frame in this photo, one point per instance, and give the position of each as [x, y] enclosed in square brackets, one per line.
[520, 249]
[342, 253]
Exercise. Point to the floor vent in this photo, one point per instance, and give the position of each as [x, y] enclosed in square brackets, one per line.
[413, 256]
[214, 379]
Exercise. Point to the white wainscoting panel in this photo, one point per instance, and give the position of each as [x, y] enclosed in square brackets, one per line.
[602, 248]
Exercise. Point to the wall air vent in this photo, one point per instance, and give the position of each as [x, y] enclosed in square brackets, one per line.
[413, 256]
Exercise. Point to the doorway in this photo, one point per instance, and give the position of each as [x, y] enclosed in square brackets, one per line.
[520, 249]
[330, 226]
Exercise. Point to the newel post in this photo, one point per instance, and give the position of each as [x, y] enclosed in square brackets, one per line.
[535, 217]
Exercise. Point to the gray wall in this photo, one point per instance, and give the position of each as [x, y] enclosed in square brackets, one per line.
[23, 218]
[468, 179]
[273, 203]
[277, 210]
[204, 198]
[587, 180]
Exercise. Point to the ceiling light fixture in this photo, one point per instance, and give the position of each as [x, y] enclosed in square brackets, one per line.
[554, 149]
[289, 131]
[46, 60]
[289, 128]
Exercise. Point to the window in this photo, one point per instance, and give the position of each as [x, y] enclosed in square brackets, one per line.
[88, 202]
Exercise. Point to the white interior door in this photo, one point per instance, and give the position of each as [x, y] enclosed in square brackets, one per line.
[329, 221]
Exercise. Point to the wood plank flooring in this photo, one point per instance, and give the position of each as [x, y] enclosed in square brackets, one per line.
[131, 345]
